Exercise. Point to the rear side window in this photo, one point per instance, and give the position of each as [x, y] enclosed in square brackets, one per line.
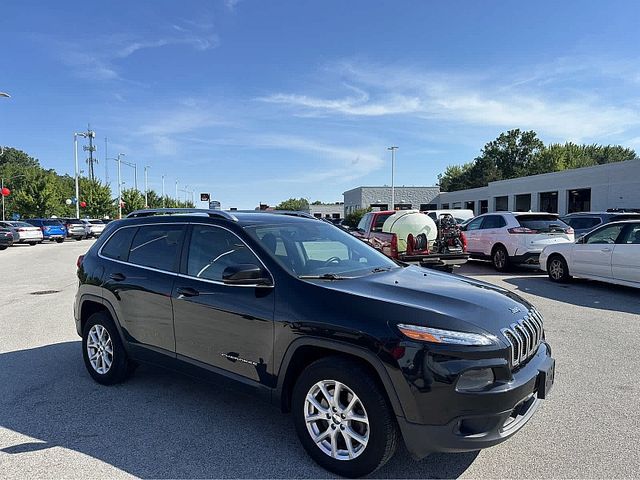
[582, 223]
[117, 247]
[52, 223]
[632, 235]
[157, 246]
[542, 223]
[379, 222]
[493, 221]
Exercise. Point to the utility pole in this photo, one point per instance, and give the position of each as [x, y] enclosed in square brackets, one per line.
[75, 153]
[393, 170]
[119, 186]
[106, 164]
[146, 189]
[163, 191]
[90, 134]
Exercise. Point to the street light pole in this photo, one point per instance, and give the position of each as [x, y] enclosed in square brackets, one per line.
[176, 190]
[393, 171]
[146, 189]
[75, 152]
[162, 191]
[119, 186]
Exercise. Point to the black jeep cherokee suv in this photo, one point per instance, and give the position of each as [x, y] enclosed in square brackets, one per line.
[362, 350]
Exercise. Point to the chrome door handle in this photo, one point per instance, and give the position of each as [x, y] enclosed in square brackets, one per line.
[605, 250]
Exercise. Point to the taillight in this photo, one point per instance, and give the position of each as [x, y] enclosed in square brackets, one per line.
[43, 228]
[21, 229]
[521, 230]
[411, 244]
[394, 245]
[79, 261]
[463, 239]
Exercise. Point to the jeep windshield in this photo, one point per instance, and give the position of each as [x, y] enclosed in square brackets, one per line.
[319, 250]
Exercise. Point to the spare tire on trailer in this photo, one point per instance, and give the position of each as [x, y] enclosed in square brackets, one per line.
[405, 222]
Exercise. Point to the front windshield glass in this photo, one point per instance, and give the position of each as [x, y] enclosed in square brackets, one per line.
[317, 248]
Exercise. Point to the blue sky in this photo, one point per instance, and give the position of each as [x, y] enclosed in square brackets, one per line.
[262, 100]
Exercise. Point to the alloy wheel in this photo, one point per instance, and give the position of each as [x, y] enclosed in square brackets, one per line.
[336, 420]
[499, 258]
[100, 349]
[556, 269]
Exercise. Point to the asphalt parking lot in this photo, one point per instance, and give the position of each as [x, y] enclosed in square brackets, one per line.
[56, 422]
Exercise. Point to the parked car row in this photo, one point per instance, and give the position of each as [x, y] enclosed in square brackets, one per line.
[603, 246]
[36, 230]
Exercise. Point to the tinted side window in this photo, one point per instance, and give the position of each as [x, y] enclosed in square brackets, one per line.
[632, 235]
[212, 249]
[362, 224]
[493, 221]
[117, 247]
[157, 246]
[379, 222]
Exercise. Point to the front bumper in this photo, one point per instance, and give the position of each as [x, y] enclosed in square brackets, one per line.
[475, 420]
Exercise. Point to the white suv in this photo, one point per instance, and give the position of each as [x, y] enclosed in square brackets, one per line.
[514, 238]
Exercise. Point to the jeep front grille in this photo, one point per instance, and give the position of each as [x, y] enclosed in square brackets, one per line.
[524, 337]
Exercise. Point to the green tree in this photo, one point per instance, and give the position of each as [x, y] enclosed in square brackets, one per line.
[295, 204]
[352, 219]
[132, 199]
[18, 158]
[38, 195]
[512, 152]
[98, 198]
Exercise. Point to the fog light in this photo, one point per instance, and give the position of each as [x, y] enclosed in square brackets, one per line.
[475, 379]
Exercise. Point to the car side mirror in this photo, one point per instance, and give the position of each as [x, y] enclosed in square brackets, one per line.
[245, 274]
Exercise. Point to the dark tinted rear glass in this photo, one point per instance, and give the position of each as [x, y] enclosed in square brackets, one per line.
[96, 222]
[117, 247]
[157, 246]
[542, 223]
[582, 223]
[52, 223]
[380, 219]
[74, 222]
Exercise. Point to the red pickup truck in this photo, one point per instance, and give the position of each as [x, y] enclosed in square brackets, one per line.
[447, 251]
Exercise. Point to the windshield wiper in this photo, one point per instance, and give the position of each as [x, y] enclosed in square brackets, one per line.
[324, 276]
[380, 269]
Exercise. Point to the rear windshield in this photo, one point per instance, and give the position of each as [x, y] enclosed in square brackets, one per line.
[582, 223]
[96, 222]
[75, 222]
[380, 219]
[55, 223]
[542, 223]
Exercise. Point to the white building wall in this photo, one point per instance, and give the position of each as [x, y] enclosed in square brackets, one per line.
[615, 185]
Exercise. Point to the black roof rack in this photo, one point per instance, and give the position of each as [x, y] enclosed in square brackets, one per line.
[291, 213]
[150, 212]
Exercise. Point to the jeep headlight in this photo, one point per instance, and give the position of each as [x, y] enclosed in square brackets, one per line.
[436, 335]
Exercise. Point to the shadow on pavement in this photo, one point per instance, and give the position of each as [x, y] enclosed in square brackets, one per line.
[163, 425]
[583, 293]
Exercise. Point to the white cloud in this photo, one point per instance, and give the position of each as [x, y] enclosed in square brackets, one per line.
[526, 100]
[343, 163]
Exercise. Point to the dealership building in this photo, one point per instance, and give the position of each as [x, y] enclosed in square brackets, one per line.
[598, 188]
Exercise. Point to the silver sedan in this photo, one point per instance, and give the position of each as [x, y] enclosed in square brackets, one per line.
[23, 232]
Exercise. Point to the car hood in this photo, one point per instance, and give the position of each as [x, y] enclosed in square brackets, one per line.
[438, 299]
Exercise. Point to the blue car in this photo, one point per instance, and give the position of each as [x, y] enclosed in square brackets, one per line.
[51, 228]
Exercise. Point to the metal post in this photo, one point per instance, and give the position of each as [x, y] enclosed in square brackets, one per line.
[176, 190]
[2, 195]
[146, 203]
[119, 189]
[163, 191]
[135, 176]
[393, 170]
[75, 151]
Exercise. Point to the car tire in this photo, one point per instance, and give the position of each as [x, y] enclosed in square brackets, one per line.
[3, 247]
[59, 240]
[372, 443]
[78, 239]
[557, 269]
[103, 352]
[32, 243]
[500, 258]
